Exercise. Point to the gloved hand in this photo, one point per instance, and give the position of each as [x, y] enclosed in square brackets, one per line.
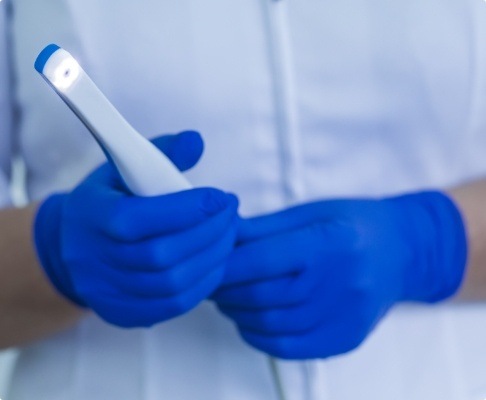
[137, 261]
[313, 281]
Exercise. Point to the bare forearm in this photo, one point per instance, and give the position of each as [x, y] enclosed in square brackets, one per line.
[29, 306]
[471, 199]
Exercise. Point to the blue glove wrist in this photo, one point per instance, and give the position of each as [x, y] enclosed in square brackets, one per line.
[47, 239]
[436, 227]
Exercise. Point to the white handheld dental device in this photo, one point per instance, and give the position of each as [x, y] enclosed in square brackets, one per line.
[145, 170]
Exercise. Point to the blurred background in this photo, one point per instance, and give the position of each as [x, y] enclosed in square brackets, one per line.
[6, 360]
[19, 198]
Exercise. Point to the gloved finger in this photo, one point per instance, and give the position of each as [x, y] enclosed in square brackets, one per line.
[329, 339]
[166, 283]
[288, 220]
[164, 252]
[284, 291]
[130, 312]
[325, 301]
[138, 218]
[288, 253]
[183, 149]
[269, 258]
[276, 321]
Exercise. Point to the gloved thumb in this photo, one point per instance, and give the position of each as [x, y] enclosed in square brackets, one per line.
[183, 149]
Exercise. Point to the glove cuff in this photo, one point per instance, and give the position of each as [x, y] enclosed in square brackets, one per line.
[47, 239]
[439, 232]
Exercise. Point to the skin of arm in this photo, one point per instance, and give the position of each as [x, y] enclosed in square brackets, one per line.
[471, 200]
[30, 308]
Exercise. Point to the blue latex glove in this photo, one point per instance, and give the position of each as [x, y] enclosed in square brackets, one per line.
[137, 261]
[313, 281]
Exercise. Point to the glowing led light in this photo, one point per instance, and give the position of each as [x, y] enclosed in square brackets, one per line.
[66, 74]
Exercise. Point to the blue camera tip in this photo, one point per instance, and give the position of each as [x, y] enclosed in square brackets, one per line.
[44, 56]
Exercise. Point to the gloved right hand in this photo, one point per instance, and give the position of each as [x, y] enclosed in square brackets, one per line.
[137, 261]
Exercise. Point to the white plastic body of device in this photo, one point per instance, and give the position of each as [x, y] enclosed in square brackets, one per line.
[145, 169]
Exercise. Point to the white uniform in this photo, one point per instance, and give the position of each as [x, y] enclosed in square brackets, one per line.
[296, 100]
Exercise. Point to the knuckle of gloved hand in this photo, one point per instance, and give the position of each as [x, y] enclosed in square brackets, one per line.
[69, 255]
[119, 222]
[123, 321]
[179, 304]
[345, 236]
[88, 292]
[281, 347]
[83, 292]
[359, 298]
[213, 202]
[267, 322]
[145, 316]
[304, 288]
[308, 321]
[159, 257]
[111, 307]
[360, 287]
[129, 320]
[174, 284]
[276, 346]
[256, 295]
[72, 257]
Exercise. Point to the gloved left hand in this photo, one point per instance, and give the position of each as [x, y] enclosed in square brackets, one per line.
[137, 261]
[313, 281]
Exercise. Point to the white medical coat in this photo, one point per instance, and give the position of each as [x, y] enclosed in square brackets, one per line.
[296, 100]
